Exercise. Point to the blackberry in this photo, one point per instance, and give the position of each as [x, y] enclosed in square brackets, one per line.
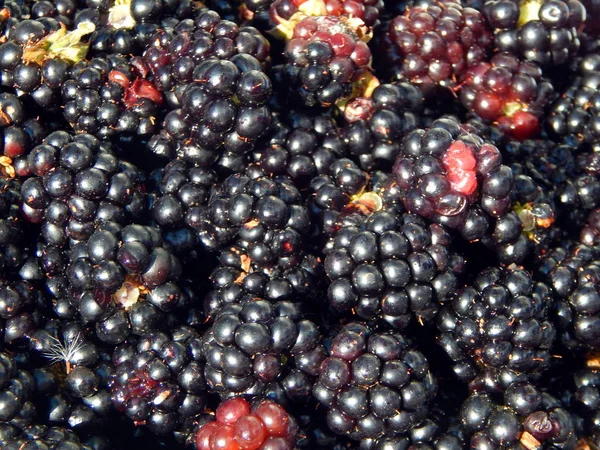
[260, 348]
[237, 275]
[42, 436]
[111, 99]
[16, 392]
[179, 201]
[453, 177]
[526, 418]
[379, 123]
[301, 146]
[36, 61]
[126, 27]
[393, 267]
[374, 384]
[501, 319]
[326, 56]
[21, 131]
[72, 375]
[264, 426]
[508, 92]
[435, 42]
[123, 280]
[572, 271]
[576, 114]
[264, 215]
[541, 31]
[158, 381]
[212, 75]
[567, 177]
[583, 397]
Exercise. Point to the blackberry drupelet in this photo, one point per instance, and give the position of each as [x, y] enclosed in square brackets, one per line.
[393, 267]
[573, 271]
[159, 382]
[435, 42]
[374, 384]
[500, 320]
[123, 281]
[527, 418]
[260, 348]
[16, 391]
[508, 92]
[453, 177]
[542, 31]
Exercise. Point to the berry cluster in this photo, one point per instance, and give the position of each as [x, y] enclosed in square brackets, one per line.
[299, 225]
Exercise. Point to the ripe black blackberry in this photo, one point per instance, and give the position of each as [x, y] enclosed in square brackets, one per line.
[576, 114]
[326, 59]
[36, 60]
[72, 375]
[16, 390]
[434, 42]
[159, 381]
[583, 397]
[573, 271]
[212, 75]
[453, 177]
[542, 31]
[42, 436]
[256, 347]
[263, 214]
[508, 92]
[374, 384]
[123, 280]
[301, 146]
[393, 267]
[527, 417]
[75, 182]
[502, 319]
[110, 99]
[568, 177]
[238, 276]
[179, 202]
[126, 27]
[378, 124]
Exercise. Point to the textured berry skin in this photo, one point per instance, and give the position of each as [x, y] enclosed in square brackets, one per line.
[392, 267]
[544, 31]
[434, 42]
[509, 92]
[453, 177]
[501, 320]
[572, 271]
[373, 384]
[159, 381]
[527, 416]
[576, 114]
[259, 348]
